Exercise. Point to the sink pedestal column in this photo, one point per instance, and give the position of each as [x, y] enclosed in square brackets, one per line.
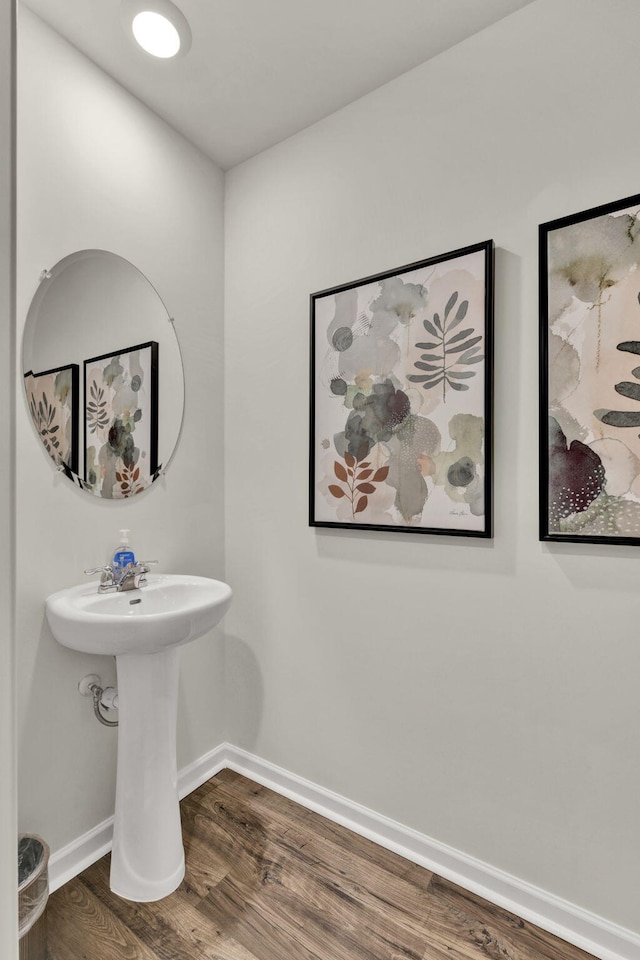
[147, 861]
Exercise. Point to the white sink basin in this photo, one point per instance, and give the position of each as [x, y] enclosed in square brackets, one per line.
[168, 611]
[143, 629]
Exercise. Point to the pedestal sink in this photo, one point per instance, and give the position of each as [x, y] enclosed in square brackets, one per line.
[144, 629]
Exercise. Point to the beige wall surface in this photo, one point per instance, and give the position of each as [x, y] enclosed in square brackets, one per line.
[98, 170]
[8, 911]
[484, 693]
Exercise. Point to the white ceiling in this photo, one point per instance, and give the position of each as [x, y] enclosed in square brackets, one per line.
[261, 70]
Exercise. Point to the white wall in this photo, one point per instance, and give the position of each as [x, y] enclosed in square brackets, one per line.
[98, 170]
[8, 911]
[482, 693]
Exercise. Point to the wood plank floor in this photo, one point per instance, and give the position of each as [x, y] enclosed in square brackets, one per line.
[269, 880]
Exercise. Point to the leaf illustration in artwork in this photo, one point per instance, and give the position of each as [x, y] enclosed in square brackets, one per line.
[44, 416]
[629, 346]
[459, 347]
[340, 471]
[451, 302]
[471, 356]
[429, 327]
[439, 362]
[461, 335]
[626, 388]
[425, 381]
[129, 479]
[358, 482]
[97, 413]
[461, 312]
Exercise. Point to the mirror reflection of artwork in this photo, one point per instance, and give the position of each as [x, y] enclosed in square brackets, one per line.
[95, 304]
[121, 421]
[52, 397]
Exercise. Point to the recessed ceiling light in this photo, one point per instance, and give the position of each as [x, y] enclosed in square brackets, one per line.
[156, 34]
[157, 26]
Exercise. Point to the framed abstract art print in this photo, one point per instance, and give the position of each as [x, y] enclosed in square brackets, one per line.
[590, 375]
[401, 397]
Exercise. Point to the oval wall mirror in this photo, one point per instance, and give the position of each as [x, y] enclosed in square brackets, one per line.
[103, 374]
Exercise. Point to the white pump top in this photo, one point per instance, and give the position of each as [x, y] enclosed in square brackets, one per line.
[124, 538]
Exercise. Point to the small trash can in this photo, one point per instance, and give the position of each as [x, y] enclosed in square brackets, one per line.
[33, 893]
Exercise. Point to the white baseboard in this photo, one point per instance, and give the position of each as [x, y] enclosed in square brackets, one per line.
[71, 860]
[195, 774]
[559, 917]
[68, 862]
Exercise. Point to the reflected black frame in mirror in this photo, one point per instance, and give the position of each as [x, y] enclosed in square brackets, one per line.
[96, 310]
[53, 399]
[121, 420]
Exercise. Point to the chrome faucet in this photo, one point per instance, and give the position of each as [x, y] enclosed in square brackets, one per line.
[117, 579]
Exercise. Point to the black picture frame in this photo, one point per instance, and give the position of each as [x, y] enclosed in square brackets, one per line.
[437, 301]
[153, 469]
[589, 433]
[67, 464]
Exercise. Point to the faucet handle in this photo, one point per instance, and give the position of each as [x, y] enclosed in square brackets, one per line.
[105, 569]
[107, 580]
[146, 563]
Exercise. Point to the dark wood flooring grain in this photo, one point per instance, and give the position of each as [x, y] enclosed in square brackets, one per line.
[267, 879]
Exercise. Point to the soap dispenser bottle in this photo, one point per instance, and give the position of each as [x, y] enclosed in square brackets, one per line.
[123, 556]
